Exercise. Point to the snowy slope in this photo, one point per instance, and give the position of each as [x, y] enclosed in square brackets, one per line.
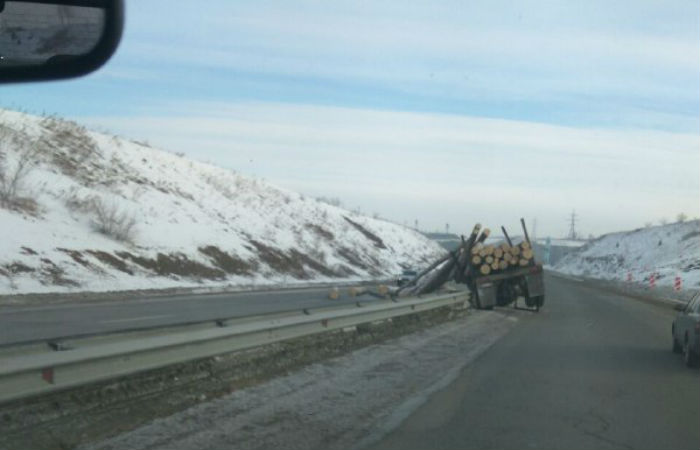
[668, 251]
[194, 223]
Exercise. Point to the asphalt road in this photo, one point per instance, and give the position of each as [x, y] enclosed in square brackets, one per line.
[26, 324]
[592, 370]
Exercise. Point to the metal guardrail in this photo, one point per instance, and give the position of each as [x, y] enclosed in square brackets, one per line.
[83, 362]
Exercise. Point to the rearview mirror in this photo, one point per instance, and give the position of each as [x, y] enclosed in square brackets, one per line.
[54, 39]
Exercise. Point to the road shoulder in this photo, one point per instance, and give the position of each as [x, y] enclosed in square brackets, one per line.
[355, 398]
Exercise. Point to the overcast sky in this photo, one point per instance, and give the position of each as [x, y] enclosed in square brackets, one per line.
[444, 112]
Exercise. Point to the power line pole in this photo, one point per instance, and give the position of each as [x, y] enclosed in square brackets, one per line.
[572, 225]
[534, 229]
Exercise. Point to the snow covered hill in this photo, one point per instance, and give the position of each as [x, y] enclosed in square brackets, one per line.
[93, 212]
[668, 251]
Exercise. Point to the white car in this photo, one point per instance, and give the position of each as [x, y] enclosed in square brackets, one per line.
[406, 276]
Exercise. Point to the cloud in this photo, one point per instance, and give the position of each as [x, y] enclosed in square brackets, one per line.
[446, 111]
[411, 51]
[439, 167]
[628, 64]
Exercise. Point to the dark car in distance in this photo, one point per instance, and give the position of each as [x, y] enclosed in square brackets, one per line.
[685, 331]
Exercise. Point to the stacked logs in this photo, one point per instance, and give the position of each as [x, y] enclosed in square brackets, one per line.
[488, 259]
[472, 258]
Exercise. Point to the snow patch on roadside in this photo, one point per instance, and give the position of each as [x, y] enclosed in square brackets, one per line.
[668, 251]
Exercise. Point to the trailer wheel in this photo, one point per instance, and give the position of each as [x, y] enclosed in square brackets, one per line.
[477, 303]
[506, 293]
[537, 302]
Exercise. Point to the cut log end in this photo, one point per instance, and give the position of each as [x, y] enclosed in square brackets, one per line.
[484, 234]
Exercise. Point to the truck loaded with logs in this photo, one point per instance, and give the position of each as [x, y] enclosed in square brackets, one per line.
[497, 275]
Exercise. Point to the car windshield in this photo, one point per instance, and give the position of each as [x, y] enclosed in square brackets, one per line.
[345, 224]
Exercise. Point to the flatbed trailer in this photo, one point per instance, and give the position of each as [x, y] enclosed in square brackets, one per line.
[497, 275]
[506, 288]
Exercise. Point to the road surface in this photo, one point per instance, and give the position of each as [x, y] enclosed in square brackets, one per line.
[592, 370]
[25, 324]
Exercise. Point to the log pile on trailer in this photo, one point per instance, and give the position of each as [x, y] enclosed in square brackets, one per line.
[497, 258]
[475, 261]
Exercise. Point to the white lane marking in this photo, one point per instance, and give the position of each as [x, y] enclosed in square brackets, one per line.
[564, 276]
[136, 319]
[571, 278]
[674, 301]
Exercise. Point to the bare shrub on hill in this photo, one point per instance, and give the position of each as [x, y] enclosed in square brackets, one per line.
[111, 221]
[71, 147]
[222, 186]
[333, 201]
[14, 171]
